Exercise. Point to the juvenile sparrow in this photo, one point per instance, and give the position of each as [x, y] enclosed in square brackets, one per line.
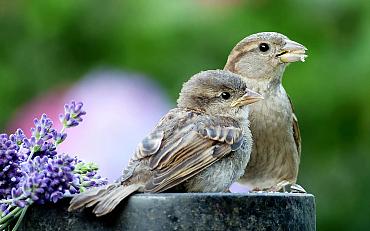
[202, 145]
[261, 60]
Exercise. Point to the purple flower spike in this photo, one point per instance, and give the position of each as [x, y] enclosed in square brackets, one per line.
[20, 203]
[55, 196]
[48, 178]
[10, 173]
[72, 114]
[33, 172]
[3, 207]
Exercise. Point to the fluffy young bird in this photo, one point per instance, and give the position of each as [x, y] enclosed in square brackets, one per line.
[202, 145]
[261, 60]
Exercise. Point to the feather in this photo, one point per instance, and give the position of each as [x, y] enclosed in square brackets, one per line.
[105, 198]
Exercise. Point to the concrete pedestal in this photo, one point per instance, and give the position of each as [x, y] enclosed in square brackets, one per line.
[184, 211]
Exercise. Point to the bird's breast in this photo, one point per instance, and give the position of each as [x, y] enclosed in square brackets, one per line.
[274, 155]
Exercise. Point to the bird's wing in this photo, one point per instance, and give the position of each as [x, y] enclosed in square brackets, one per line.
[147, 147]
[189, 150]
[296, 131]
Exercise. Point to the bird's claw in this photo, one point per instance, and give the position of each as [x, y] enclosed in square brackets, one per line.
[293, 188]
[296, 188]
[287, 187]
[279, 187]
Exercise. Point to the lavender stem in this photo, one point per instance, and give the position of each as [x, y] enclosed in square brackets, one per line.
[20, 218]
[9, 215]
[30, 156]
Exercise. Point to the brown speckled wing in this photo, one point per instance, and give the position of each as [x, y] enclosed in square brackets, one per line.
[147, 147]
[150, 145]
[296, 131]
[191, 149]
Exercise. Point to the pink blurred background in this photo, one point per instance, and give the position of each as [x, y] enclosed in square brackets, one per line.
[121, 109]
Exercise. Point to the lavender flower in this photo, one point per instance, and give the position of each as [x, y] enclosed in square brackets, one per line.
[46, 179]
[88, 177]
[72, 114]
[10, 157]
[42, 141]
[33, 171]
[43, 128]
[18, 137]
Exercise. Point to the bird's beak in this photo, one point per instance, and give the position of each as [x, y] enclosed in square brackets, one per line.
[248, 98]
[292, 52]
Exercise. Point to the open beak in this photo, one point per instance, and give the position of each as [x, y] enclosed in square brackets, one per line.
[292, 52]
[248, 98]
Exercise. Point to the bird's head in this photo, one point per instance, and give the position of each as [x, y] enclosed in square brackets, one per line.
[217, 92]
[264, 56]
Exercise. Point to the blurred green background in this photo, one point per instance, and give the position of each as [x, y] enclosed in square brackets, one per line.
[45, 44]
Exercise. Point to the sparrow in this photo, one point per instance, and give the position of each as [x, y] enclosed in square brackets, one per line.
[261, 60]
[202, 145]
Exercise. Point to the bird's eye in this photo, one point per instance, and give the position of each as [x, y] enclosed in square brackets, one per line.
[225, 95]
[264, 47]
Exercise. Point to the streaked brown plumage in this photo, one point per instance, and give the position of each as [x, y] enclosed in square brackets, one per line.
[203, 145]
[261, 59]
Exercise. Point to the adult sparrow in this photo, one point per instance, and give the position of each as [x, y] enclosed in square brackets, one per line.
[202, 145]
[261, 60]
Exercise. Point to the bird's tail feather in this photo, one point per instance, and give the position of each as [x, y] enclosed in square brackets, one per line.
[105, 198]
[109, 201]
